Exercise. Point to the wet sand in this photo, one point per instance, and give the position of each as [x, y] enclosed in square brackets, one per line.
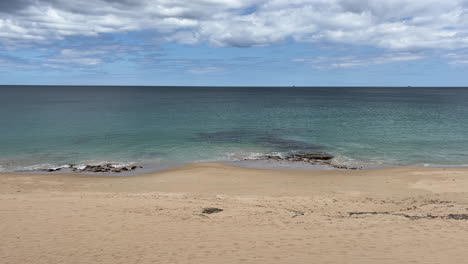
[394, 215]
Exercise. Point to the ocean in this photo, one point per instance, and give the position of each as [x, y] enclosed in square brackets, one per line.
[158, 127]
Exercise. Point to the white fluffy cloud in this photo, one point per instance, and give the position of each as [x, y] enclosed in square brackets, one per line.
[391, 24]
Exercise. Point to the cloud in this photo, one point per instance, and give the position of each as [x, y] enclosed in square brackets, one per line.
[333, 62]
[457, 59]
[205, 70]
[399, 25]
[71, 56]
[88, 55]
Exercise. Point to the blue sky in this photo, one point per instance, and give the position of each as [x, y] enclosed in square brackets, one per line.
[234, 42]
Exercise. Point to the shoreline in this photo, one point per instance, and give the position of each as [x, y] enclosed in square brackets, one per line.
[215, 212]
[223, 172]
[266, 165]
[272, 161]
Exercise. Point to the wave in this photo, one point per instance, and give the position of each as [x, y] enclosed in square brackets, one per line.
[234, 156]
[434, 165]
[239, 157]
[348, 162]
[339, 161]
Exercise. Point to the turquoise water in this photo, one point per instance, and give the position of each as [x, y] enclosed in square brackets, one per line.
[43, 127]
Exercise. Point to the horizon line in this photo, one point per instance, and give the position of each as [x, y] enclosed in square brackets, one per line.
[242, 86]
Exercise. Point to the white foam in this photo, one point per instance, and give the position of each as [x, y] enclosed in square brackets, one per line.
[433, 165]
[279, 165]
[81, 165]
[341, 160]
[364, 163]
[233, 156]
[38, 167]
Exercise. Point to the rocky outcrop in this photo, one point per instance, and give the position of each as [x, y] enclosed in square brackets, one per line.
[319, 158]
[109, 168]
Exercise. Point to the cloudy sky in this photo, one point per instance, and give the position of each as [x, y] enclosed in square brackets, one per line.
[234, 42]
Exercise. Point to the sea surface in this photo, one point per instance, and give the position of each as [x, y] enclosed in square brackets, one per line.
[51, 126]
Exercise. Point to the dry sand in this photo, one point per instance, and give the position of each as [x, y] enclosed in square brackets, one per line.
[397, 215]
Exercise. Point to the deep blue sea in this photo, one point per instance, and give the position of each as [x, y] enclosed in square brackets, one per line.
[49, 126]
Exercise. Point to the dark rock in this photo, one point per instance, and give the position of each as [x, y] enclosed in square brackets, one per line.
[211, 210]
[318, 158]
[458, 216]
[52, 170]
[108, 167]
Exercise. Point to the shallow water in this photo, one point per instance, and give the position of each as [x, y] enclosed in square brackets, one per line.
[44, 127]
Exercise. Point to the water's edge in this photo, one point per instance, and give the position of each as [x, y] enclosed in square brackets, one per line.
[250, 164]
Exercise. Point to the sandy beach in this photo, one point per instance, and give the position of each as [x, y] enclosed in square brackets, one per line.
[395, 215]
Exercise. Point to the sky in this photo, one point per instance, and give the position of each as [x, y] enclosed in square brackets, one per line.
[234, 42]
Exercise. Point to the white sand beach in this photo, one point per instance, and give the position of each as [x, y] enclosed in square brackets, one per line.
[396, 215]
